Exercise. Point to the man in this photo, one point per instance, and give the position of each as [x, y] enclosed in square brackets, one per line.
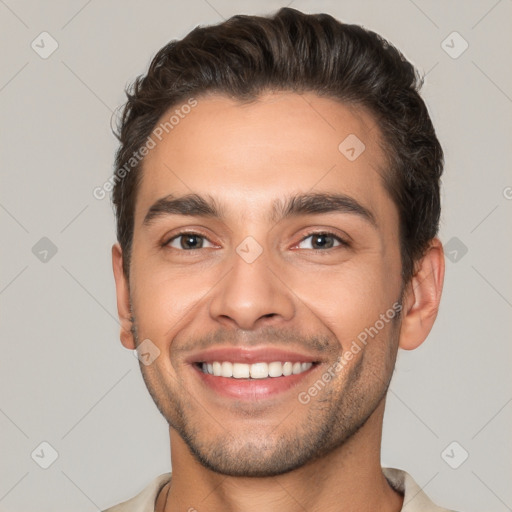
[277, 201]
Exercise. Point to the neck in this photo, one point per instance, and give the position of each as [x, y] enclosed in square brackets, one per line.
[348, 479]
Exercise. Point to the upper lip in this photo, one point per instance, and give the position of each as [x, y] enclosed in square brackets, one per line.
[249, 355]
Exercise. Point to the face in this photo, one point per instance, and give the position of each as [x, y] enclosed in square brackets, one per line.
[266, 271]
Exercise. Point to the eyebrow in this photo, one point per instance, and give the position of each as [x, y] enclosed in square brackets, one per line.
[301, 204]
[191, 204]
[318, 203]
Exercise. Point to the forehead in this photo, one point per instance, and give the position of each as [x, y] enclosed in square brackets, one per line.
[252, 153]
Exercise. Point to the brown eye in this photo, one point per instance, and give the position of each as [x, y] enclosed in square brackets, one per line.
[188, 241]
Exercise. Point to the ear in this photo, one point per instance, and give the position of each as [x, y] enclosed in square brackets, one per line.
[123, 297]
[422, 297]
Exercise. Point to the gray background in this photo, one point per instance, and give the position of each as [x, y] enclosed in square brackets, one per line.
[64, 376]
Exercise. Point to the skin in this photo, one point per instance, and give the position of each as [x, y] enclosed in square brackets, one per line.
[277, 453]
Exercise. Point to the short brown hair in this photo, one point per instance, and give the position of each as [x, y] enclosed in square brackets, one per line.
[246, 56]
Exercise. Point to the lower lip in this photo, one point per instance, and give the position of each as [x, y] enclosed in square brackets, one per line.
[252, 389]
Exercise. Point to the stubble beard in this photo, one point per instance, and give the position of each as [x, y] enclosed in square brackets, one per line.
[329, 423]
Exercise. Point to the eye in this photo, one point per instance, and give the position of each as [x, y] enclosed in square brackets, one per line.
[188, 241]
[319, 241]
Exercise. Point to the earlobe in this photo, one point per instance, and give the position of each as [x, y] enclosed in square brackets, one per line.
[422, 297]
[123, 298]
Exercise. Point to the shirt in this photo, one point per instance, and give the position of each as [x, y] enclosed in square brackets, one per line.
[415, 500]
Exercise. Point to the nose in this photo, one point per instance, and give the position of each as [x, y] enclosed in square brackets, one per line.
[252, 296]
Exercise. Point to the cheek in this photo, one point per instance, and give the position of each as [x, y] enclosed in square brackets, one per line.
[346, 300]
[165, 300]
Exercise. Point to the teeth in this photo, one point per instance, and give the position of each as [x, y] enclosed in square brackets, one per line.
[255, 370]
[259, 370]
[227, 369]
[217, 369]
[275, 369]
[241, 371]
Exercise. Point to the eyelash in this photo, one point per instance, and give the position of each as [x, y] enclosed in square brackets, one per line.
[341, 241]
[184, 233]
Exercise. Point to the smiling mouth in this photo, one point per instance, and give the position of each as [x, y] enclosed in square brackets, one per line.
[254, 371]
